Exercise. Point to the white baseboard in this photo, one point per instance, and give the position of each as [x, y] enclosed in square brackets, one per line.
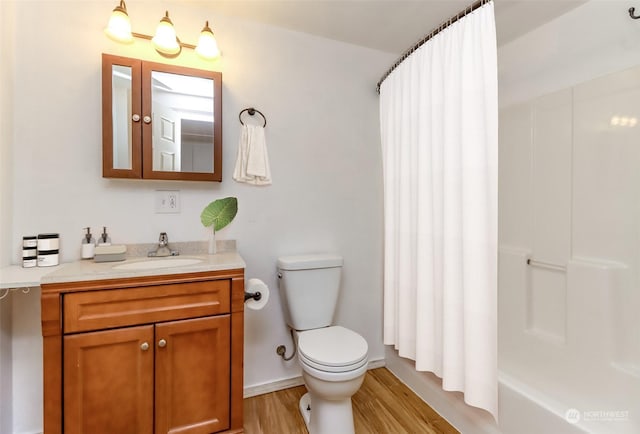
[261, 389]
[287, 383]
[375, 364]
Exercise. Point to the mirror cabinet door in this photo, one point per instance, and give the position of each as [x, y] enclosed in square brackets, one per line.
[184, 138]
[160, 121]
[121, 117]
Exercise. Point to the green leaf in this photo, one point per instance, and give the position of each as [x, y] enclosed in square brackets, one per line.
[219, 213]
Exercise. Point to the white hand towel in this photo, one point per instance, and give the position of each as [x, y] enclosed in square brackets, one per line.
[252, 162]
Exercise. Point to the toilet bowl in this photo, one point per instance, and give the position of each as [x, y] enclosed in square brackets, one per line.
[334, 362]
[333, 358]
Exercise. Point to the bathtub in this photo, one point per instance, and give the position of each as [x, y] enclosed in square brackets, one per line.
[567, 363]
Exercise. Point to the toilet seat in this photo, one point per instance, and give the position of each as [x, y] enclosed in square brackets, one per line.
[332, 349]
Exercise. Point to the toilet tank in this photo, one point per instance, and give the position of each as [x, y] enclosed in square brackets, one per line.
[309, 286]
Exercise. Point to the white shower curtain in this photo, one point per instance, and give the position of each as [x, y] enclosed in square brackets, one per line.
[439, 126]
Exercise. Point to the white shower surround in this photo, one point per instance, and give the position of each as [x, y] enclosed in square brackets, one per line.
[569, 197]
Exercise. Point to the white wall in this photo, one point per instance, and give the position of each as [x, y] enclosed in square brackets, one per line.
[590, 41]
[322, 110]
[7, 52]
[6, 183]
[26, 348]
[6, 374]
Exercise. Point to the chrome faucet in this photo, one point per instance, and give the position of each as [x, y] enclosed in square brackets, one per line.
[163, 247]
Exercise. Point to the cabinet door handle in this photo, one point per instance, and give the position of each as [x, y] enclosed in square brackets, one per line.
[135, 118]
[162, 343]
[147, 119]
[144, 346]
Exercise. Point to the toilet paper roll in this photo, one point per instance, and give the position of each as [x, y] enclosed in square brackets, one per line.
[257, 285]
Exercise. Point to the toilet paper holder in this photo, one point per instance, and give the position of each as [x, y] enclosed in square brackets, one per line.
[252, 295]
[256, 294]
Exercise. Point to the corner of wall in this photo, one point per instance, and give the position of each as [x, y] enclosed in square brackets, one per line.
[6, 371]
[7, 54]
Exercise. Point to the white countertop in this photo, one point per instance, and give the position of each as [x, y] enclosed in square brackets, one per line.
[14, 276]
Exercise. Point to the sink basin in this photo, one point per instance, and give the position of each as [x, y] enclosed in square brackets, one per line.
[154, 264]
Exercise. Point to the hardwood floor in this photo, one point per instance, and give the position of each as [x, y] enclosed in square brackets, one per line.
[383, 405]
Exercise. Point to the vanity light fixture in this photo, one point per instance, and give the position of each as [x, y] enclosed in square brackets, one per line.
[165, 41]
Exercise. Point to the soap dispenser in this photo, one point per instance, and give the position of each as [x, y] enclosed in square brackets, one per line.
[88, 245]
[104, 239]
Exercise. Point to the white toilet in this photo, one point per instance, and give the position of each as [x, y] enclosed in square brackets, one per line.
[333, 358]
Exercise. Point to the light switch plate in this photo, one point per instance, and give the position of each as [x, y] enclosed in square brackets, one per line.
[167, 202]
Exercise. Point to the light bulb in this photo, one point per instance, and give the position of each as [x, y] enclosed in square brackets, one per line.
[207, 45]
[165, 40]
[119, 27]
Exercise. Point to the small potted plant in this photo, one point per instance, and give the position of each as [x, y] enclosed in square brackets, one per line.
[217, 215]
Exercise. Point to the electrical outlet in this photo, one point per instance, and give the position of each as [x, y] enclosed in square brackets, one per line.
[167, 201]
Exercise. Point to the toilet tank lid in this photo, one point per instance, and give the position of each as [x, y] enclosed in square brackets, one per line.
[307, 262]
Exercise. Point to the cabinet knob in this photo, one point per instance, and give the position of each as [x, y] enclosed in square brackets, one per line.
[144, 346]
[147, 119]
[162, 343]
[135, 118]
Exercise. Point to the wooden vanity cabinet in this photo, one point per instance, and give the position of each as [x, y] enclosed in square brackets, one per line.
[148, 355]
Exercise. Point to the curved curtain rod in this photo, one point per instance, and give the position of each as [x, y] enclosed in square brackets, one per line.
[428, 36]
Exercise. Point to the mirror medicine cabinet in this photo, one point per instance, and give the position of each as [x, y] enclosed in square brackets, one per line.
[160, 121]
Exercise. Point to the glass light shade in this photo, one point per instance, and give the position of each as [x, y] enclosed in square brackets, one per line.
[119, 27]
[165, 40]
[207, 45]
